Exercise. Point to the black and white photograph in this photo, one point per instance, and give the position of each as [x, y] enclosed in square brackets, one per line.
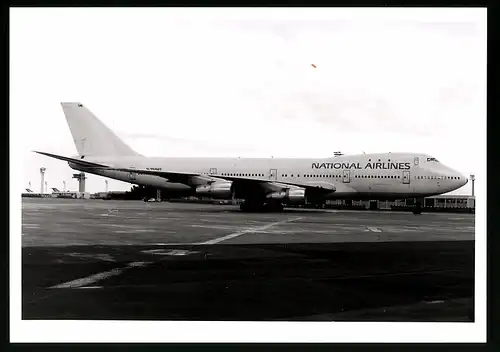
[248, 174]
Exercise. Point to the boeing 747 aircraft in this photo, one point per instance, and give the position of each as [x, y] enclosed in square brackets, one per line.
[262, 183]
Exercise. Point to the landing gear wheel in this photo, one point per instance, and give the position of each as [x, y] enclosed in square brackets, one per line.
[273, 207]
[251, 207]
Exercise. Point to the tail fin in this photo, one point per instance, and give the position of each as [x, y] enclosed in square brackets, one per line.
[91, 136]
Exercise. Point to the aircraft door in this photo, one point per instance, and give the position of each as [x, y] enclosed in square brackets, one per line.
[213, 171]
[346, 176]
[273, 174]
[406, 177]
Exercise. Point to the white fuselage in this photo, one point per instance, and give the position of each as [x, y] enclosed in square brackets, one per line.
[362, 176]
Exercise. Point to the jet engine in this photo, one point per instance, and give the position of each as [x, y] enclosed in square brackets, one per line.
[220, 190]
[295, 196]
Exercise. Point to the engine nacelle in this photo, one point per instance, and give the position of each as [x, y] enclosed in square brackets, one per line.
[295, 196]
[220, 190]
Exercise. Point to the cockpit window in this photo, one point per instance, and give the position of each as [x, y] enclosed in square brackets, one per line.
[434, 160]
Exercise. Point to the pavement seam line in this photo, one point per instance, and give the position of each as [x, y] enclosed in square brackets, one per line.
[92, 279]
[250, 230]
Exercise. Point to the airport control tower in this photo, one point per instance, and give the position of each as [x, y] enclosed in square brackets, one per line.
[81, 181]
[42, 179]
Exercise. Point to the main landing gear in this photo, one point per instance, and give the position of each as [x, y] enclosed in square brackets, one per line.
[257, 207]
[417, 208]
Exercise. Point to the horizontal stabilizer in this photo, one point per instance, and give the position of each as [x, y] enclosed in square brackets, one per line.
[72, 160]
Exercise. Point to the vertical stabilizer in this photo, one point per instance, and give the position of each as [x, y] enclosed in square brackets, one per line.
[91, 136]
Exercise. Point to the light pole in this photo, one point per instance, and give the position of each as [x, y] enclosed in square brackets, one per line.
[42, 179]
[472, 178]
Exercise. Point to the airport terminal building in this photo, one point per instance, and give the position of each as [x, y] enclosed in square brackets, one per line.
[434, 203]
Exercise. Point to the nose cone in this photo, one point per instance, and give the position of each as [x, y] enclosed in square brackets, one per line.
[462, 180]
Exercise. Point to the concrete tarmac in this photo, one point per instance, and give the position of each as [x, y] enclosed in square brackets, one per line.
[94, 259]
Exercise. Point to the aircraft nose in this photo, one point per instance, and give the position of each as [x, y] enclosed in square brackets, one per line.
[463, 179]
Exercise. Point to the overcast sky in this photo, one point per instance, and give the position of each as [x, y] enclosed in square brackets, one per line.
[213, 82]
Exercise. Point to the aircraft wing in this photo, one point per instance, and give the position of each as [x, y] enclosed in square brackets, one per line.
[184, 177]
[321, 186]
